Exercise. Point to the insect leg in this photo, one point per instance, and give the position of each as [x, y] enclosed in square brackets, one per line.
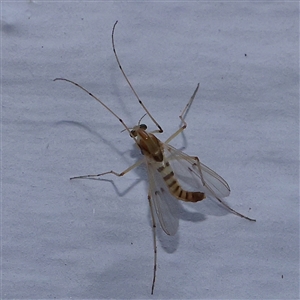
[111, 172]
[154, 243]
[182, 116]
[197, 162]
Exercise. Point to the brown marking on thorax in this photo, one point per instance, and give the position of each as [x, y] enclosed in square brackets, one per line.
[150, 145]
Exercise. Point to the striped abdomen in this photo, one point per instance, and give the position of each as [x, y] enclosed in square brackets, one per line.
[174, 186]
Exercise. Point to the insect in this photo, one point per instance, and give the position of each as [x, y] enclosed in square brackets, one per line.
[173, 175]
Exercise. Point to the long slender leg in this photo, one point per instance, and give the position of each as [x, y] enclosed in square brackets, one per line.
[182, 116]
[197, 162]
[183, 127]
[154, 243]
[212, 192]
[111, 172]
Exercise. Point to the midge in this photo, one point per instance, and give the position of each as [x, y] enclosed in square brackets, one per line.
[173, 175]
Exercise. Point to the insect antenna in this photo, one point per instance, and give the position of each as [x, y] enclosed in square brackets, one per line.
[100, 101]
[139, 122]
[160, 130]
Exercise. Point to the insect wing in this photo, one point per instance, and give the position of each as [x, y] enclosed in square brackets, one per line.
[195, 177]
[166, 206]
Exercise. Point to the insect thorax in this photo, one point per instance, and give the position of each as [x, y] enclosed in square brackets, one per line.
[150, 145]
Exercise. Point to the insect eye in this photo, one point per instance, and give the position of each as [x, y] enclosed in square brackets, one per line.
[133, 133]
[143, 126]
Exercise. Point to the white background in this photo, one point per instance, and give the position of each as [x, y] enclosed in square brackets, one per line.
[93, 239]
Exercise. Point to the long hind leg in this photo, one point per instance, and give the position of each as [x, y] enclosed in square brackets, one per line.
[110, 172]
[196, 163]
[154, 243]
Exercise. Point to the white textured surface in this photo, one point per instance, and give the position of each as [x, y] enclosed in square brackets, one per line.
[92, 239]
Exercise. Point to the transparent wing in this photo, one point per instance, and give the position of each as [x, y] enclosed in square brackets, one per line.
[195, 176]
[166, 206]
